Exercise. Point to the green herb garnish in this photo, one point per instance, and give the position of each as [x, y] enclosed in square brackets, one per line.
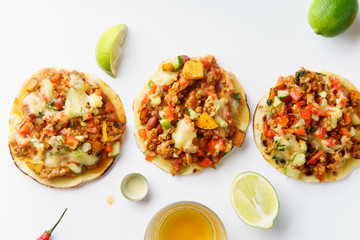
[237, 97]
[269, 102]
[299, 74]
[51, 105]
[151, 83]
[26, 148]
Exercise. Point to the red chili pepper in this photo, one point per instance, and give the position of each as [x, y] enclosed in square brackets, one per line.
[47, 234]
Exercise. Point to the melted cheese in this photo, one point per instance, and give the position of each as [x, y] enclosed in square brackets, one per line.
[76, 103]
[95, 101]
[163, 78]
[183, 136]
[76, 81]
[34, 104]
[47, 89]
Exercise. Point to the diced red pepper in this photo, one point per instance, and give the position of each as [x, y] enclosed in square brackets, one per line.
[300, 131]
[91, 122]
[109, 148]
[212, 145]
[335, 82]
[347, 118]
[222, 143]
[295, 95]
[267, 132]
[330, 142]
[206, 60]
[305, 114]
[71, 141]
[277, 120]
[286, 99]
[148, 158]
[165, 87]
[49, 129]
[315, 157]
[284, 121]
[204, 162]
[142, 133]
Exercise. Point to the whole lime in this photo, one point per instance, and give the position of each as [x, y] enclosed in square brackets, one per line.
[331, 18]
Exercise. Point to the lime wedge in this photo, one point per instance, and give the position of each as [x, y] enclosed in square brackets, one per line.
[108, 48]
[254, 200]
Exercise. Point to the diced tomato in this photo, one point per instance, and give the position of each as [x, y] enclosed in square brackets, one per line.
[330, 142]
[284, 121]
[212, 145]
[142, 133]
[307, 122]
[335, 82]
[148, 158]
[300, 131]
[281, 112]
[211, 93]
[169, 112]
[98, 92]
[25, 143]
[66, 82]
[295, 95]
[315, 157]
[200, 152]
[267, 132]
[347, 118]
[313, 109]
[109, 148]
[342, 99]
[23, 129]
[71, 141]
[305, 114]
[286, 99]
[145, 100]
[109, 107]
[320, 132]
[206, 61]
[59, 103]
[183, 82]
[49, 129]
[165, 87]
[345, 132]
[31, 150]
[204, 162]
[222, 143]
[277, 120]
[87, 116]
[55, 78]
[331, 112]
[153, 89]
[91, 122]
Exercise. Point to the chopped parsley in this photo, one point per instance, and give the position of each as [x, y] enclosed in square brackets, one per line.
[278, 159]
[321, 74]
[269, 102]
[299, 74]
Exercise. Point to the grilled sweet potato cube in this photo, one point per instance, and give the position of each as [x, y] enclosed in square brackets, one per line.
[356, 149]
[354, 97]
[238, 137]
[193, 70]
[35, 166]
[167, 66]
[205, 121]
[111, 130]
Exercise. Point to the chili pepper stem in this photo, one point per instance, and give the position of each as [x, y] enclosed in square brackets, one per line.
[52, 229]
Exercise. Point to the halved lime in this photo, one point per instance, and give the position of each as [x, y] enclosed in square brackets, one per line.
[108, 48]
[254, 200]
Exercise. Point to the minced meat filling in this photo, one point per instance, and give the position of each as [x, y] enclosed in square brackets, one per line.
[191, 119]
[313, 126]
[63, 125]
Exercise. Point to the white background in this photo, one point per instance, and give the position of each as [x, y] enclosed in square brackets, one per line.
[257, 40]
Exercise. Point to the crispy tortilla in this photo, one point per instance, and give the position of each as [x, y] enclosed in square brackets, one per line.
[88, 175]
[263, 109]
[242, 123]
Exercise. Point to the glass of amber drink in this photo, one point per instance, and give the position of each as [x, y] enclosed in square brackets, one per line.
[185, 220]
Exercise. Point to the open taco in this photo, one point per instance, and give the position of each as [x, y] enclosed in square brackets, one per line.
[66, 127]
[189, 115]
[307, 126]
